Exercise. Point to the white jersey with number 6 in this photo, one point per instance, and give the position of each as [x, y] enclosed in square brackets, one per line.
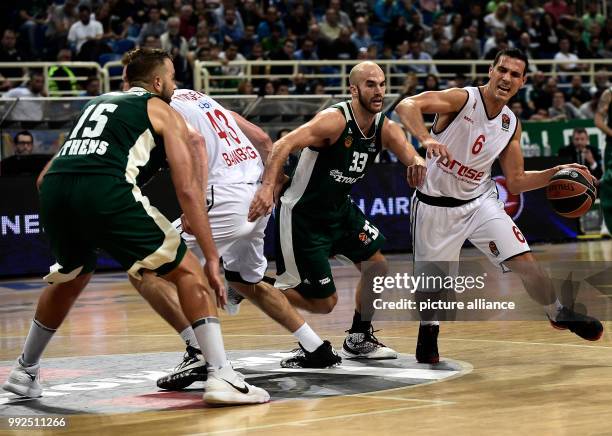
[474, 141]
[231, 156]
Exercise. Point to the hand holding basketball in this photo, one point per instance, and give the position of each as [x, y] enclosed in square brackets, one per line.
[571, 191]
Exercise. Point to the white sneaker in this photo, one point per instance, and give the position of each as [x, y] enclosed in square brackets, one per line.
[366, 346]
[234, 298]
[24, 381]
[225, 386]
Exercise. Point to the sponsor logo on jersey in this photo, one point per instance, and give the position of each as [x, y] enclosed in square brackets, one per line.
[339, 177]
[348, 141]
[468, 119]
[462, 171]
[493, 248]
[239, 155]
[513, 203]
[505, 122]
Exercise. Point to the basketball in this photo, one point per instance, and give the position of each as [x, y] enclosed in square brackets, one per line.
[571, 192]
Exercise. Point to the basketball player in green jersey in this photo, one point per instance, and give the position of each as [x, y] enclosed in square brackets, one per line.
[316, 217]
[90, 199]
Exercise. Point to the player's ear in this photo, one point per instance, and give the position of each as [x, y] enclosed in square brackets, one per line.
[353, 90]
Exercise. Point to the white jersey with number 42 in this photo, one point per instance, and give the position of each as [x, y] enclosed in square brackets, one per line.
[231, 156]
[474, 141]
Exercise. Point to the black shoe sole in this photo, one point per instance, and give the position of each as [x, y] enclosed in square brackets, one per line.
[562, 327]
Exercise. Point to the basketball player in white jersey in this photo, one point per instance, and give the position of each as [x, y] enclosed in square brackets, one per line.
[458, 201]
[232, 158]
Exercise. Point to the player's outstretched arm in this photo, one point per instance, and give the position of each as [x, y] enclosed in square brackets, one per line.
[394, 139]
[324, 129]
[260, 139]
[411, 110]
[186, 169]
[601, 115]
[512, 164]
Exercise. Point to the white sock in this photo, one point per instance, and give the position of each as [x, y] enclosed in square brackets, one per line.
[208, 332]
[430, 322]
[36, 342]
[308, 338]
[553, 309]
[189, 337]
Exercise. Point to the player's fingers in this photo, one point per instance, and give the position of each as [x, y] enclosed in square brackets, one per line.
[422, 171]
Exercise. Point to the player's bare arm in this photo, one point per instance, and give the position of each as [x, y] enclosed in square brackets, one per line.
[411, 110]
[324, 129]
[258, 137]
[200, 166]
[517, 179]
[394, 139]
[187, 179]
[601, 115]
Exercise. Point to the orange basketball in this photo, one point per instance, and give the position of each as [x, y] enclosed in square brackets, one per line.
[571, 192]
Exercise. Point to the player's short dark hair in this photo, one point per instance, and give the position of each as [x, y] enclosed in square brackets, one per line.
[23, 133]
[141, 62]
[513, 53]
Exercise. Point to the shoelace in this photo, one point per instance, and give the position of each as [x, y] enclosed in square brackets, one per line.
[369, 335]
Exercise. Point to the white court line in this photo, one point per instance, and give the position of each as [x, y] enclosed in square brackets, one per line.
[310, 421]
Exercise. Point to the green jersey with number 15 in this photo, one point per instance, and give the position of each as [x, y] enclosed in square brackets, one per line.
[113, 136]
[321, 183]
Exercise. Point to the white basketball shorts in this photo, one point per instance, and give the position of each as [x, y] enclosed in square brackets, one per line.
[438, 233]
[240, 243]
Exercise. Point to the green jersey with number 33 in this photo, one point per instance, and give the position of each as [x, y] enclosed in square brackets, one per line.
[113, 136]
[321, 183]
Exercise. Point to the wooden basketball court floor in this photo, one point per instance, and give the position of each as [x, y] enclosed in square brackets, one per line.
[516, 377]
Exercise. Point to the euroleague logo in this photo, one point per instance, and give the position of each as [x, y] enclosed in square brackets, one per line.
[513, 203]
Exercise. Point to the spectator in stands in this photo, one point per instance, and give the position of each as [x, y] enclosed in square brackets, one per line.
[361, 36]
[384, 11]
[248, 40]
[8, 53]
[344, 19]
[202, 35]
[556, 8]
[321, 43]
[267, 89]
[300, 85]
[155, 26]
[230, 31]
[250, 12]
[188, 22]
[298, 21]
[245, 87]
[257, 54]
[219, 14]
[549, 39]
[529, 26]
[473, 42]
[284, 54]
[231, 54]
[92, 87]
[274, 41]
[498, 37]
[542, 96]
[601, 82]
[445, 53]
[172, 41]
[518, 109]
[465, 52]
[23, 143]
[396, 32]
[152, 41]
[561, 110]
[68, 87]
[576, 94]
[432, 42]
[343, 48]
[431, 83]
[319, 88]
[579, 151]
[85, 29]
[417, 54]
[564, 54]
[499, 19]
[592, 15]
[282, 87]
[272, 20]
[529, 48]
[59, 20]
[28, 110]
[331, 26]
[307, 53]
[112, 27]
[475, 19]
[588, 109]
[454, 30]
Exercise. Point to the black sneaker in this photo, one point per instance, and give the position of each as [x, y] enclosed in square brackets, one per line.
[427, 344]
[323, 357]
[365, 346]
[190, 370]
[585, 326]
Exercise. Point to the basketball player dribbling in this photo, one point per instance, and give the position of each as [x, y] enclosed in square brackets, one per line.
[458, 201]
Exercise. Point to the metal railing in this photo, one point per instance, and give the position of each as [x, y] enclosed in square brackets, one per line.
[211, 78]
[26, 67]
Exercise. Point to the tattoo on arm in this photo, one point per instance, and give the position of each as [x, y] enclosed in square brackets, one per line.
[604, 104]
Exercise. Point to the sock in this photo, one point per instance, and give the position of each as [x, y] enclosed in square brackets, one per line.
[36, 342]
[430, 322]
[553, 309]
[308, 338]
[359, 326]
[208, 332]
[189, 337]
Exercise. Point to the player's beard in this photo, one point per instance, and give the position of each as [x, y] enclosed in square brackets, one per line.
[365, 104]
[166, 93]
